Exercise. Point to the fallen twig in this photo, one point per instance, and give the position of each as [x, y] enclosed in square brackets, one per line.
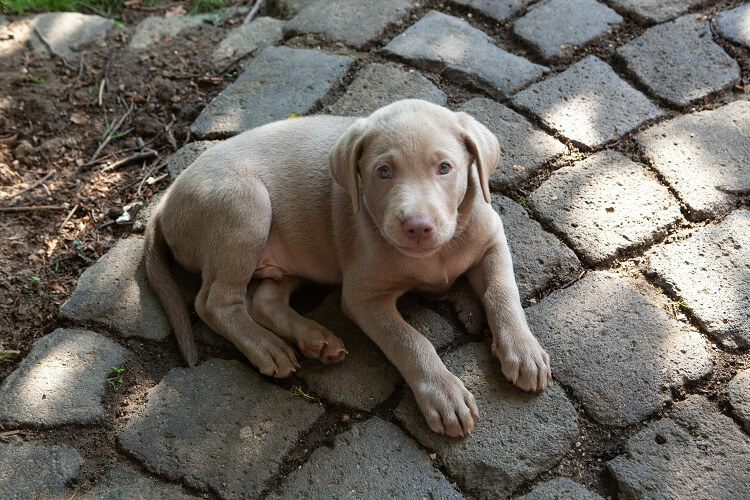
[32, 208]
[252, 12]
[101, 91]
[37, 183]
[110, 133]
[130, 159]
[70, 214]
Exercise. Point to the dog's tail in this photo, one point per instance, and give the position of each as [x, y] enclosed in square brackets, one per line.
[157, 256]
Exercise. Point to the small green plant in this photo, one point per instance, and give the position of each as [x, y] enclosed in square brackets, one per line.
[682, 305]
[204, 6]
[117, 377]
[28, 288]
[293, 115]
[298, 391]
[118, 24]
[8, 355]
[578, 407]
[34, 79]
[3, 7]
[522, 201]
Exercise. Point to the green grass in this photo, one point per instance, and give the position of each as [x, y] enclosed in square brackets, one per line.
[102, 7]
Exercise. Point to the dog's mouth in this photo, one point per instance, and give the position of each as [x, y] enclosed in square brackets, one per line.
[417, 250]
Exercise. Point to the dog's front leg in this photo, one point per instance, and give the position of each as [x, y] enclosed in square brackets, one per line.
[445, 403]
[522, 359]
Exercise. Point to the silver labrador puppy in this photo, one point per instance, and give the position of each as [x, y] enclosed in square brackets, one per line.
[381, 205]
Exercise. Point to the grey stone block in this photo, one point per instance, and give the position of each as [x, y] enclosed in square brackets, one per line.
[539, 259]
[704, 156]
[219, 426]
[364, 379]
[523, 147]
[278, 82]
[679, 61]
[518, 436]
[696, 453]
[587, 103]
[68, 33]
[355, 22]
[553, 25]
[467, 306]
[246, 39]
[560, 488]
[619, 353]
[656, 10]
[287, 8]
[734, 24]
[606, 206]
[438, 330]
[152, 30]
[61, 381]
[185, 156]
[29, 470]
[372, 460]
[115, 292]
[739, 397]
[451, 46]
[379, 84]
[709, 270]
[497, 9]
[123, 481]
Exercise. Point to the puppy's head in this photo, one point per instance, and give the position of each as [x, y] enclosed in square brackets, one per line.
[411, 164]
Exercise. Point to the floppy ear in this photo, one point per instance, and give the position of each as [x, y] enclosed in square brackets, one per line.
[344, 157]
[483, 146]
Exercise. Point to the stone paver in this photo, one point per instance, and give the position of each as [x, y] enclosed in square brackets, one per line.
[710, 270]
[467, 306]
[587, 103]
[287, 8]
[185, 156]
[68, 33]
[123, 481]
[364, 379]
[524, 149]
[739, 397]
[233, 437]
[451, 46]
[619, 353]
[696, 454]
[29, 470]
[280, 81]
[379, 84]
[115, 292]
[656, 10]
[679, 61]
[734, 24]
[539, 259]
[561, 488]
[61, 381]
[704, 156]
[438, 330]
[246, 39]
[374, 459]
[606, 206]
[153, 30]
[518, 436]
[355, 22]
[498, 9]
[552, 25]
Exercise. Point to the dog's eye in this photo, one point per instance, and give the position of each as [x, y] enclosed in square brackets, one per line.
[383, 172]
[444, 168]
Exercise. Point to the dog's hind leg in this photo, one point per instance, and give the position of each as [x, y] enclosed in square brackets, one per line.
[238, 231]
[269, 306]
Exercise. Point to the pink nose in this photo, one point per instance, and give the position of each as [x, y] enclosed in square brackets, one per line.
[418, 228]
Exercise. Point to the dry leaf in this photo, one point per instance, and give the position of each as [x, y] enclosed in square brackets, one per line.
[79, 118]
[177, 10]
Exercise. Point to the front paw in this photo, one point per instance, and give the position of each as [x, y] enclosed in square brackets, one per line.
[523, 361]
[446, 405]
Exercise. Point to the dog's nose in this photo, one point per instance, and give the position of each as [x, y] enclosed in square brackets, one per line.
[418, 228]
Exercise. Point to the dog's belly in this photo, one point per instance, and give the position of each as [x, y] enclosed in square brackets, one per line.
[277, 261]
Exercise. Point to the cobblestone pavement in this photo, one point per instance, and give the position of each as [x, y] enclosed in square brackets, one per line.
[624, 189]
